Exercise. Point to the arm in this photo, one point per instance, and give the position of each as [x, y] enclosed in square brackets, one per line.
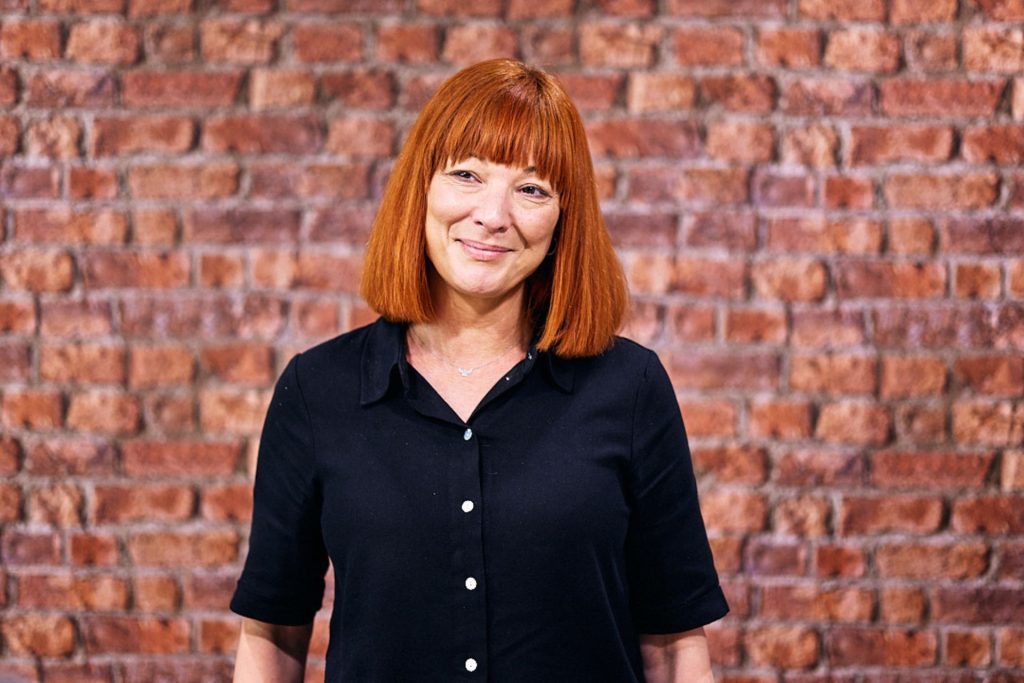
[676, 657]
[271, 653]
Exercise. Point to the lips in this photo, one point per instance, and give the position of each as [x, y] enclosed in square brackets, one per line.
[482, 251]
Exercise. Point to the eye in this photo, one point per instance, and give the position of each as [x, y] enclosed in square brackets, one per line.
[462, 174]
[535, 191]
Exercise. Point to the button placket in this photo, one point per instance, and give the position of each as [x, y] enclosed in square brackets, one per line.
[469, 601]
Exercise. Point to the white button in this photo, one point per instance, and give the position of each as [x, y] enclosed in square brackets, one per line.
[468, 434]
[467, 506]
[470, 584]
[470, 664]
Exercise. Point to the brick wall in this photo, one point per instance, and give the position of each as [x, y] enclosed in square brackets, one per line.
[820, 205]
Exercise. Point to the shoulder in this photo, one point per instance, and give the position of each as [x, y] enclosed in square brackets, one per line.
[621, 367]
[336, 365]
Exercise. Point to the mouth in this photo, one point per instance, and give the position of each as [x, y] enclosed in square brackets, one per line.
[482, 251]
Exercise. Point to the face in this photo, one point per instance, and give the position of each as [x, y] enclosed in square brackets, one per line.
[488, 227]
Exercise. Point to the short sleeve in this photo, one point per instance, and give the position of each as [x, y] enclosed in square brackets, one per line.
[283, 578]
[672, 579]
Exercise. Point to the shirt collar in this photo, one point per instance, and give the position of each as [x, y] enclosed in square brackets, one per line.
[384, 362]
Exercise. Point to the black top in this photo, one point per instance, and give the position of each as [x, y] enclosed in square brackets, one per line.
[531, 543]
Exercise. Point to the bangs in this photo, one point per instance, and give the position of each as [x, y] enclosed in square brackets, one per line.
[520, 127]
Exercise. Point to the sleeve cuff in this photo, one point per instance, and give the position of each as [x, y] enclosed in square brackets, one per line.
[295, 611]
[707, 607]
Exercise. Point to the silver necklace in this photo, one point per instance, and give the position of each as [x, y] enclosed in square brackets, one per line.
[463, 372]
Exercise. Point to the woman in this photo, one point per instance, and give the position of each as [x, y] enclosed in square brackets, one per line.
[503, 487]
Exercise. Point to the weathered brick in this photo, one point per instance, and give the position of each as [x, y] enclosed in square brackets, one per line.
[119, 136]
[119, 503]
[708, 45]
[932, 561]
[359, 88]
[828, 328]
[75, 317]
[988, 515]
[103, 42]
[902, 605]
[879, 646]
[179, 458]
[27, 547]
[835, 373]
[939, 97]
[262, 134]
[460, 9]
[733, 464]
[146, 635]
[813, 145]
[62, 457]
[802, 516]
[104, 412]
[327, 42]
[67, 591]
[922, 11]
[92, 183]
[154, 227]
[169, 43]
[659, 92]
[360, 136]
[967, 648]
[625, 138]
[192, 181]
[31, 39]
[842, 10]
[31, 408]
[824, 96]
[907, 376]
[791, 647]
[977, 604]
[849, 192]
[873, 515]
[995, 423]
[471, 43]
[243, 41]
[863, 50]
[155, 593]
[790, 279]
[1011, 646]
[58, 505]
[630, 45]
[873, 145]
[29, 182]
[816, 234]
[280, 88]
[408, 43]
[39, 635]
[728, 8]
[753, 94]
[56, 137]
[960, 191]
[119, 269]
[734, 511]
[160, 89]
[771, 557]
[548, 45]
[91, 549]
[992, 49]
[854, 423]
[780, 419]
[808, 601]
[183, 549]
[773, 189]
[790, 47]
[977, 281]
[838, 560]
[1012, 472]
[741, 141]
[241, 226]
[1003, 144]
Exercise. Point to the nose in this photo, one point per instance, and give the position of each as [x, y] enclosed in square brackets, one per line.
[493, 211]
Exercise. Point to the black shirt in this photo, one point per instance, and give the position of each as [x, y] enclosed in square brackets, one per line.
[532, 543]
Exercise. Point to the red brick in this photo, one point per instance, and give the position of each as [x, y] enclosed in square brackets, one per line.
[802, 516]
[930, 52]
[17, 316]
[359, 88]
[32, 39]
[624, 138]
[734, 511]
[9, 86]
[804, 601]
[105, 412]
[207, 591]
[728, 8]
[930, 326]
[117, 269]
[227, 503]
[360, 136]
[988, 515]
[855, 236]
[170, 413]
[329, 181]
[842, 10]
[690, 323]
[218, 635]
[21, 548]
[155, 593]
[714, 418]
[642, 229]
[31, 408]
[337, 6]
[791, 647]
[818, 468]
[727, 553]
[169, 44]
[154, 227]
[471, 43]
[967, 648]
[548, 45]
[279, 88]
[56, 137]
[922, 11]
[10, 455]
[742, 141]
[103, 42]
[1001, 10]
[911, 236]
[10, 508]
[827, 96]
[239, 363]
[977, 281]
[1017, 99]
[327, 42]
[1011, 647]
[908, 376]
[242, 225]
[831, 374]
[778, 189]
[58, 88]
[116, 504]
[736, 464]
[1002, 144]
[628, 45]
[708, 45]
[220, 270]
[982, 236]
[37, 270]
[485, 8]
[264, 134]
[878, 646]
[58, 505]
[863, 50]
[184, 182]
[92, 183]
[145, 635]
[9, 134]
[733, 231]
[171, 669]
[993, 49]
[813, 145]
[978, 604]
[873, 515]
[149, 8]
[341, 223]
[161, 89]
[988, 423]
[23, 182]
[789, 47]
[932, 561]
[97, 592]
[15, 362]
[873, 145]
[961, 191]
[658, 92]
[744, 93]
[751, 326]
[838, 560]
[770, 557]
[38, 635]
[244, 41]
[164, 365]
[828, 328]
[119, 136]
[854, 423]
[780, 419]
[62, 457]
[183, 549]
[89, 549]
[407, 43]
[183, 458]
[940, 97]
[902, 605]
[789, 279]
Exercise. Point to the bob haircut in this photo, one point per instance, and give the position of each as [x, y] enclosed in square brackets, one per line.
[504, 112]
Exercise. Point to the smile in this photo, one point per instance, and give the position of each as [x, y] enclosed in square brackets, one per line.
[481, 251]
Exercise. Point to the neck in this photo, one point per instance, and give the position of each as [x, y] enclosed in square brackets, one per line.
[469, 329]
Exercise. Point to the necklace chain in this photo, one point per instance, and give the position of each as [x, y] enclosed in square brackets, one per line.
[463, 371]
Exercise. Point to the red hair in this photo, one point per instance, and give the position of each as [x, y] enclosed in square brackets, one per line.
[508, 113]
